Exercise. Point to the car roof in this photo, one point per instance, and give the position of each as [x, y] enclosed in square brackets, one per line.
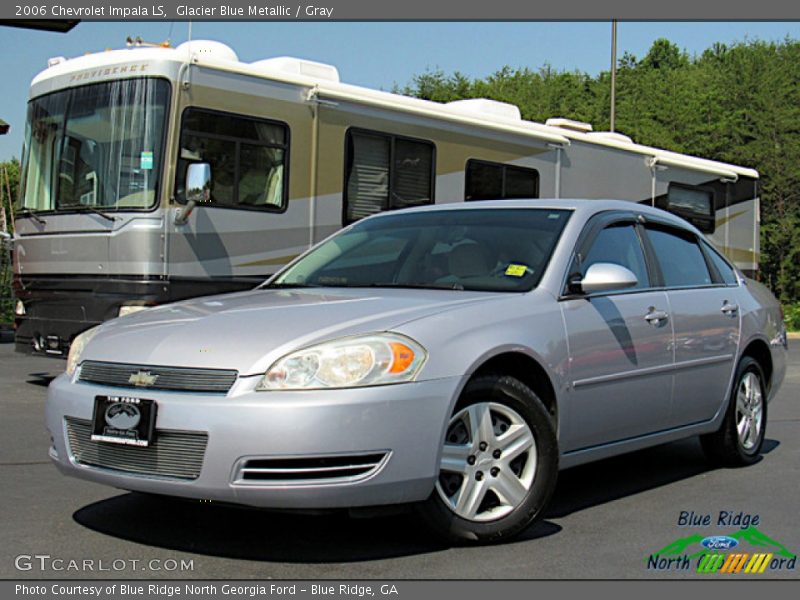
[585, 208]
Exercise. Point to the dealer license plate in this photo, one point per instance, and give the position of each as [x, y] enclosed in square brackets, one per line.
[124, 420]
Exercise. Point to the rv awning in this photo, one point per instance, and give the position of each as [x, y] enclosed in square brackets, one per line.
[58, 25]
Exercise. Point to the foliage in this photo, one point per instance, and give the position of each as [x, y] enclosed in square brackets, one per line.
[736, 103]
[6, 303]
[791, 316]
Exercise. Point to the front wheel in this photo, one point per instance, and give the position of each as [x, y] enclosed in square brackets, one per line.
[499, 463]
[739, 439]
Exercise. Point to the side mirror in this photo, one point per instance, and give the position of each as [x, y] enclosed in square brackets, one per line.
[603, 277]
[198, 189]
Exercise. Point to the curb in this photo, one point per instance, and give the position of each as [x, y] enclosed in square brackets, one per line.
[793, 335]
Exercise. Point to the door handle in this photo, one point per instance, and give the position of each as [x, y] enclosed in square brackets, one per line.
[656, 317]
[729, 309]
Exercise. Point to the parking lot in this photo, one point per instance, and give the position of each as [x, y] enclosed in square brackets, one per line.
[604, 522]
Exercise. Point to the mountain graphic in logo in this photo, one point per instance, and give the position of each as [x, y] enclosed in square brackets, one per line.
[751, 536]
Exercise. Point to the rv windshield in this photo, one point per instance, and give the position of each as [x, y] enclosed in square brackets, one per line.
[94, 147]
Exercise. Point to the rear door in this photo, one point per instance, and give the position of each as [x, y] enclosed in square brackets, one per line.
[620, 345]
[701, 288]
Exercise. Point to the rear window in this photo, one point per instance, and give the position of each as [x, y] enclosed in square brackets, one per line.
[725, 271]
[695, 204]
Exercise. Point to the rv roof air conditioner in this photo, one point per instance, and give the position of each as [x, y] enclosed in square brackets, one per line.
[612, 136]
[485, 109]
[297, 66]
[208, 49]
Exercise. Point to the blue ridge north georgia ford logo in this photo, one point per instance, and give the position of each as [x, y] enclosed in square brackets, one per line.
[122, 415]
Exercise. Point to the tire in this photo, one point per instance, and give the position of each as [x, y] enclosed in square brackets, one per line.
[490, 493]
[748, 402]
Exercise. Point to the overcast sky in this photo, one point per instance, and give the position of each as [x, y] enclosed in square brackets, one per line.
[376, 55]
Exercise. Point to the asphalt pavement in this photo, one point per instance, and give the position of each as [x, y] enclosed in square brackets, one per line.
[605, 520]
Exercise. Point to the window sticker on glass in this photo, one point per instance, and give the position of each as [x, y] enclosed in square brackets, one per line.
[146, 160]
[514, 270]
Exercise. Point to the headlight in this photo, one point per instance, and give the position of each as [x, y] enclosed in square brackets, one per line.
[377, 359]
[76, 349]
[129, 309]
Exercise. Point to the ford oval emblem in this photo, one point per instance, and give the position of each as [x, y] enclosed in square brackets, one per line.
[719, 542]
[122, 415]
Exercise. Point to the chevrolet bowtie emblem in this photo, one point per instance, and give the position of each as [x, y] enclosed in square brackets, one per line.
[142, 379]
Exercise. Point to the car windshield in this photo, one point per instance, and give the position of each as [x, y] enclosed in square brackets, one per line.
[502, 250]
[94, 147]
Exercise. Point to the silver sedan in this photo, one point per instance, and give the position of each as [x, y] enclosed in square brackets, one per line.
[453, 358]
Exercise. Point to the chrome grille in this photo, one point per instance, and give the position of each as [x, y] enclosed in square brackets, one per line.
[173, 454]
[165, 378]
[311, 469]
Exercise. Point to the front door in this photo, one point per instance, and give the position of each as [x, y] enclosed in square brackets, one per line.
[620, 346]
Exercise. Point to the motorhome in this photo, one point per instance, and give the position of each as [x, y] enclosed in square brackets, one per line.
[286, 154]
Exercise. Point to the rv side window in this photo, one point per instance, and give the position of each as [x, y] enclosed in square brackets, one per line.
[495, 181]
[385, 172]
[248, 159]
[694, 204]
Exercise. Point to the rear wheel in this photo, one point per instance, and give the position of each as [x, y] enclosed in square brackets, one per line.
[739, 439]
[499, 463]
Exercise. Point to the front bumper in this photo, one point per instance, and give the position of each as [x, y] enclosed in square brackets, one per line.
[405, 421]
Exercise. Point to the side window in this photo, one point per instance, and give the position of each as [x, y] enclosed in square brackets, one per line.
[680, 258]
[248, 159]
[619, 244]
[493, 181]
[385, 172]
[723, 268]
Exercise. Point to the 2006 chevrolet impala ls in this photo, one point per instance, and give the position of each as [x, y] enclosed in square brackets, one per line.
[452, 356]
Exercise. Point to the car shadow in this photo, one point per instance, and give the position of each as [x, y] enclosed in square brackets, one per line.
[769, 446]
[244, 533]
[336, 537]
[41, 379]
[607, 480]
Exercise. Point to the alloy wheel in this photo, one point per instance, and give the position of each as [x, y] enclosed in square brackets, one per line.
[749, 411]
[488, 462]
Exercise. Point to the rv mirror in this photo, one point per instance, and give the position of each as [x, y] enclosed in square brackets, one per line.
[198, 183]
[198, 189]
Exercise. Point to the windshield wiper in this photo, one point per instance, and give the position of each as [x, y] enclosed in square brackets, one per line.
[286, 285]
[418, 286]
[28, 212]
[88, 208]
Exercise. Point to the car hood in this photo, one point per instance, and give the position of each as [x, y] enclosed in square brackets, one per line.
[248, 331]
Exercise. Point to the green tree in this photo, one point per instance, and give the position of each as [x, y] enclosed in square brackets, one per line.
[736, 103]
[11, 170]
[9, 190]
